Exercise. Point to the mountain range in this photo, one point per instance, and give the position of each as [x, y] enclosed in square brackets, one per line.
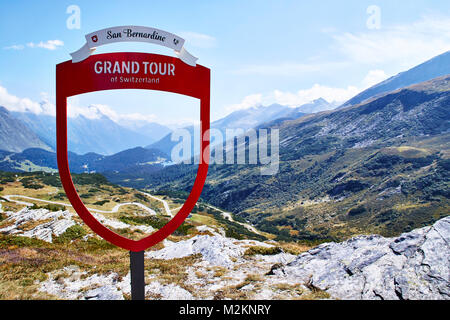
[104, 136]
[100, 135]
[247, 119]
[131, 160]
[381, 166]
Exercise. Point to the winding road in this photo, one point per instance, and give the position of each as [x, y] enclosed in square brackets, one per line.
[114, 210]
[227, 215]
[164, 202]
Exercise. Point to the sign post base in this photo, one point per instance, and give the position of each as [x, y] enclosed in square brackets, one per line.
[137, 275]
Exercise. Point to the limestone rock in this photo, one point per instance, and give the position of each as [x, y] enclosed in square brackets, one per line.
[217, 250]
[59, 222]
[414, 265]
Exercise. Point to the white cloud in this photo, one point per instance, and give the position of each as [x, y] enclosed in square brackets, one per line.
[13, 103]
[49, 44]
[405, 45]
[294, 99]
[15, 47]
[248, 102]
[374, 77]
[198, 40]
[96, 111]
[315, 92]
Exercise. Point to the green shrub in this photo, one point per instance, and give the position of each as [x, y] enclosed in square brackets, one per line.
[387, 216]
[55, 207]
[156, 222]
[51, 180]
[140, 196]
[7, 241]
[100, 203]
[50, 207]
[73, 233]
[89, 179]
[268, 251]
[351, 186]
[94, 244]
[357, 211]
[28, 183]
[231, 233]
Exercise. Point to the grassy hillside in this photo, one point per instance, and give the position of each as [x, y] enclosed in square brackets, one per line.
[99, 194]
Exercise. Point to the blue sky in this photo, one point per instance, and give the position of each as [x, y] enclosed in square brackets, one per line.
[260, 52]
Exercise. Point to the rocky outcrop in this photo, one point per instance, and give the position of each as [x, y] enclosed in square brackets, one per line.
[216, 250]
[53, 223]
[412, 266]
[74, 284]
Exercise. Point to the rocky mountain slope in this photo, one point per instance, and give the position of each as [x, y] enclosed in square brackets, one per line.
[252, 117]
[434, 68]
[15, 136]
[244, 119]
[99, 135]
[382, 166]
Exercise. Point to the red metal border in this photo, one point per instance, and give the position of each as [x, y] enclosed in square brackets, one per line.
[78, 78]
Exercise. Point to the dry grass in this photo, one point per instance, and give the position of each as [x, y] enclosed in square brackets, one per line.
[294, 248]
[262, 251]
[29, 225]
[219, 272]
[172, 271]
[25, 262]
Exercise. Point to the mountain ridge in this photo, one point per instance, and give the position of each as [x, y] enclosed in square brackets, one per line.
[436, 67]
[15, 135]
[127, 160]
[91, 135]
[256, 117]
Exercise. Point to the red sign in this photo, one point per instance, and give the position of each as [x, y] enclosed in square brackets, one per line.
[131, 71]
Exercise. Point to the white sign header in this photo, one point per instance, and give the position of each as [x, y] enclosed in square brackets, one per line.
[133, 34]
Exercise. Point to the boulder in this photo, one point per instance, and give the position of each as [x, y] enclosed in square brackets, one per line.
[413, 266]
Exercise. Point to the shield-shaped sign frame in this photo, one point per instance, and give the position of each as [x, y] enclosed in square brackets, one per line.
[78, 78]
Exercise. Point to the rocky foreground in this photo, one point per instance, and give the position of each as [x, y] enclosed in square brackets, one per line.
[414, 265]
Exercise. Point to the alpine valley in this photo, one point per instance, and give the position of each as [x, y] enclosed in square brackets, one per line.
[357, 210]
[378, 164]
